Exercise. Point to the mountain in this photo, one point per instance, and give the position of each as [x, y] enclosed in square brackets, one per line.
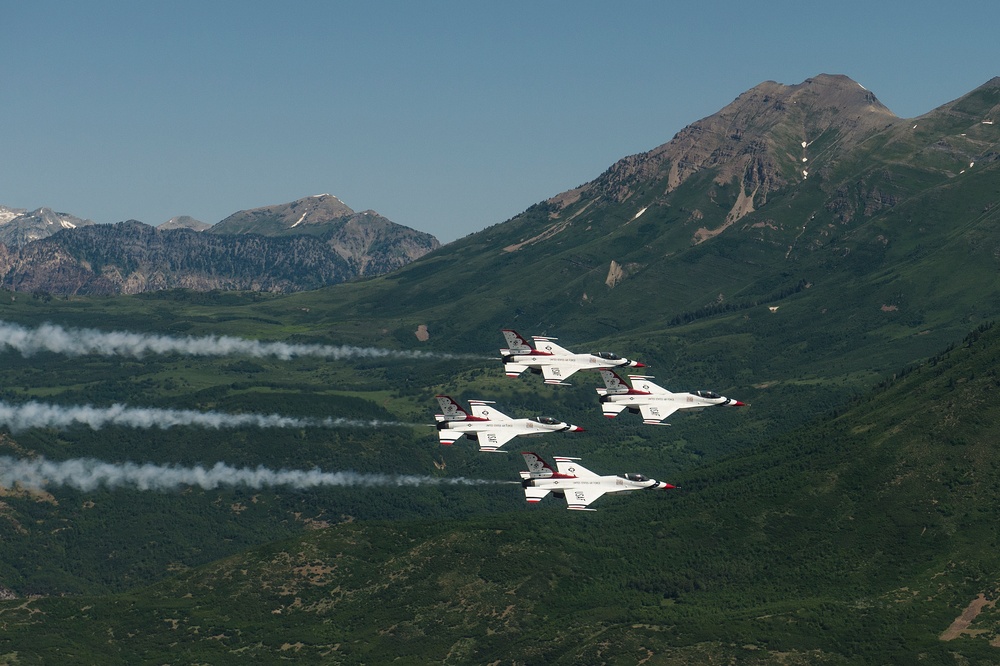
[7, 214]
[19, 227]
[371, 244]
[309, 215]
[866, 225]
[261, 253]
[762, 141]
[184, 222]
[846, 517]
[131, 258]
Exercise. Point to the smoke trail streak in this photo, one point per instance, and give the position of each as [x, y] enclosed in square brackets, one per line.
[42, 415]
[80, 341]
[87, 474]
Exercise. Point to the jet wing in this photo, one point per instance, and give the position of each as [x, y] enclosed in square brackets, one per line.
[547, 346]
[491, 440]
[555, 374]
[642, 383]
[572, 467]
[579, 499]
[484, 410]
[654, 414]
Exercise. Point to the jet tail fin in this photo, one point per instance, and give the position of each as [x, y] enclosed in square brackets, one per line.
[613, 383]
[516, 343]
[537, 468]
[451, 410]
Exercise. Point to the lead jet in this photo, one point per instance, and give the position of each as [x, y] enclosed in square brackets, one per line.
[488, 426]
[554, 363]
[575, 483]
[654, 402]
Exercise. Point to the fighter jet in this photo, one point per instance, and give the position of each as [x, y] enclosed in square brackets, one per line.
[655, 403]
[577, 484]
[489, 426]
[552, 361]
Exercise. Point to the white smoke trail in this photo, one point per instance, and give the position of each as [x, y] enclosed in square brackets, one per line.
[87, 474]
[80, 341]
[42, 415]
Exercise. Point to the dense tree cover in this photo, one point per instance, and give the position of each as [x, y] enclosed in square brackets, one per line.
[858, 539]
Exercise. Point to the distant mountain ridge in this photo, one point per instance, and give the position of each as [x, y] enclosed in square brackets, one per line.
[19, 227]
[184, 222]
[306, 215]
[255, 250]
[132, 257]
[371, 243]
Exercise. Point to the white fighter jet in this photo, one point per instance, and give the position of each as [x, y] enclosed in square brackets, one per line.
[489, 426]
[654, 402]
[554, 363]
[577, 484]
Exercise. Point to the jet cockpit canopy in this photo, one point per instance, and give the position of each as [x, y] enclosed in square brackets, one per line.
[547, 420]
[712, 395]
[607, 356]
[634, 476]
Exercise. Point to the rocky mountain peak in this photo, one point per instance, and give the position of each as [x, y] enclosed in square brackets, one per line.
[760, 140]
[821, 92]
[183, 222]
[299, 216]
[8, 214]
[23, 227]
[372, 244]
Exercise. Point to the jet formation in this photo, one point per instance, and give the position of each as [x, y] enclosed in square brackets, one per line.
[491, 428]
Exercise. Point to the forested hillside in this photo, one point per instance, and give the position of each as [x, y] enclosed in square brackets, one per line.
[859, 539]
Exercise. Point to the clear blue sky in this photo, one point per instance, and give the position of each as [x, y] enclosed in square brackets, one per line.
[443, 116]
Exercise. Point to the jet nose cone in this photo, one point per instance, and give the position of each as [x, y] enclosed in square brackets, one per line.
[738, 403]
[576, 428]
[665, 486]
[636, 364]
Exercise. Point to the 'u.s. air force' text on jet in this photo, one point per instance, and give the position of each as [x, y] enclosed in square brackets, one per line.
[577, 484]
[553, 362]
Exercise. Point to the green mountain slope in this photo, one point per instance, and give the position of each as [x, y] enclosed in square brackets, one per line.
[883, 254]
[857, 540]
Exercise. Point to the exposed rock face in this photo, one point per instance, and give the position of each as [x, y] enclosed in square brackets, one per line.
[759, 140]
[371, 244]
[303, 216]
[20, 227]
[184, 222]
[7, 214]
[131, 257]
[305, 244]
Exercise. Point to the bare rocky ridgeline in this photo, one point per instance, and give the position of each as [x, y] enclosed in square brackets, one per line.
[305, 244]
